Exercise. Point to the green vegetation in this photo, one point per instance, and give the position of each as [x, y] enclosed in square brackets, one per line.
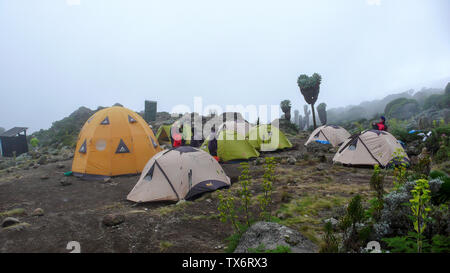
[65, 131]
[262, 249]
[440, 101]
[394, 108]
[164, 245]
[377, 184]
[286, 108]
[330, 243]
[245, 194]
[355, 215]
[310, 88]
[322, 111]
[420, 208]
[265, 200]
[400, 174]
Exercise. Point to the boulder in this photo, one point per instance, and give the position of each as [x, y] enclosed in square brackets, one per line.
[113, 219]
[315, 147]
[45, 177]
[42, 160]
[38, 212]
[271, 235]
[291, 161]
[65, 181]
[413, 148]
[333, 222]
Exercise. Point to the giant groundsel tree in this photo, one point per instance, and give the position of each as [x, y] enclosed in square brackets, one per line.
[310, 87]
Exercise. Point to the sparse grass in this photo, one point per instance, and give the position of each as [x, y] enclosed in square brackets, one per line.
[116, 205]
[165, 245]
[306, 212]
[262, 249]
[165, 210]
[13, 212]
[135, 211]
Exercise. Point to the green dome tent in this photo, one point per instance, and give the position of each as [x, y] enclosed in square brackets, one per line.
[163, 134]
[267, 138]
[232, 146]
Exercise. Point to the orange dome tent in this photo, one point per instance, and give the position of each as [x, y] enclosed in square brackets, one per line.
[114, 141]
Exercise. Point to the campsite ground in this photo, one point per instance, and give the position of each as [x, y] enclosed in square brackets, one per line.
[305, 193]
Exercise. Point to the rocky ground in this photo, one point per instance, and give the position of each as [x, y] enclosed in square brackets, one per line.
[41, 210]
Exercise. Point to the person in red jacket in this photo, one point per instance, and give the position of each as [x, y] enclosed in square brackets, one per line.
[176, 136]
[381, 126]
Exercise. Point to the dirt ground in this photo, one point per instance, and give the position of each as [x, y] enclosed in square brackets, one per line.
[305, 194]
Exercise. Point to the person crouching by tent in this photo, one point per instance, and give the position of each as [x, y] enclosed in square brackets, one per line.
[381, 126]
[212, 144]
[176, 137]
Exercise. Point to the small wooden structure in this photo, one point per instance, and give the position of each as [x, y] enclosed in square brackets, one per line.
[14, 140]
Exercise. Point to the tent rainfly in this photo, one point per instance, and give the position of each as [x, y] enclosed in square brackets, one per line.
[369, 148]
[178, 173]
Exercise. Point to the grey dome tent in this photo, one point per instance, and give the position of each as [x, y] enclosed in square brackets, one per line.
[179, 173]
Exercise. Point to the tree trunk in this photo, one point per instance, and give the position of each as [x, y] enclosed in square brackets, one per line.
[314, 115]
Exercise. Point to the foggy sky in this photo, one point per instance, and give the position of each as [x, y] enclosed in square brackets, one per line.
[58, 55]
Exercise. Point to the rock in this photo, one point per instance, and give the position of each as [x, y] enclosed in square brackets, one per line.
[65, 181]
[38, 212]
[394, 220]
[10, 221]
[413, 148]
[333, 222]
[258, 161]
[291, 160]
[60, 166]
[321, 167]
[42, 160]
[35, 166]
[113, 219]
[315, 147]
[322, 158]
[272, 235]
[181, 202]
[45, 177]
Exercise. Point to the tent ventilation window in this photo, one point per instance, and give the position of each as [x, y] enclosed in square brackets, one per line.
[105, 121]
[83, 148]
[317, 135]
[153, 142]
[122, 148]
[131, 120]
[149, 175]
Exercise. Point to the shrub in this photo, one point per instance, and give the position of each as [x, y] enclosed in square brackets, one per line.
[262, 249]
[393, 107]
[330, 243]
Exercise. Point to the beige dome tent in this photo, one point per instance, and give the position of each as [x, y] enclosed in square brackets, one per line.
[369, 148]
[181, 173]
[335, 135]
